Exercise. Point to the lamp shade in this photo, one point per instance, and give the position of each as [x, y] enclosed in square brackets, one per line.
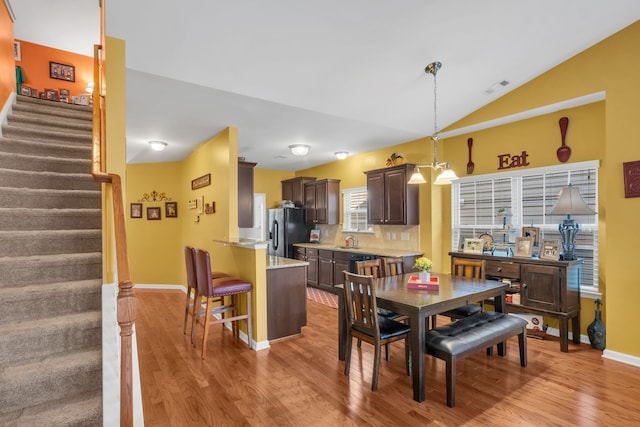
[299, 149]
[416, 177]
[570, 202]
[445, 177]
[158, 145]
[341, 155]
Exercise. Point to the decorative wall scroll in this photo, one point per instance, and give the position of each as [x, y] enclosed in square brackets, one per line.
[154, 196]
[201, 181]
[631, 179]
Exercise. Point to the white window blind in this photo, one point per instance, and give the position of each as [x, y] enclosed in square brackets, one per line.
[355, 210]
[528, 195]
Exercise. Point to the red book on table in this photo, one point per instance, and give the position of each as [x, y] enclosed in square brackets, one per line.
[415, 283]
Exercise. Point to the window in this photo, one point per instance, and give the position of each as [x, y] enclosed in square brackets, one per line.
[355, 210]
[528, 195]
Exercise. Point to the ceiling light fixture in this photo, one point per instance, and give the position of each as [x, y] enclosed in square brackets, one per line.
[447, 174]
[299, 149]
[341, 155]
[158, 145]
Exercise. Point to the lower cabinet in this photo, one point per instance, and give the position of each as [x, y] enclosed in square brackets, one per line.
[331, 265]
[286, 301]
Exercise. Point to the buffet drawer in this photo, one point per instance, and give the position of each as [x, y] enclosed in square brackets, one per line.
[508, 270]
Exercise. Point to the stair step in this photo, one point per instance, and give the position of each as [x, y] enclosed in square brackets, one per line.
[41, 163]
[38, 269]
[35, 302]
[81, 410]
[38, 380]
[48, 122]
[50, 108]
[48, 135]
[53, 180]
[45, 149]
[50, 242]
[49, 219]
[49, 336]
[50, 199]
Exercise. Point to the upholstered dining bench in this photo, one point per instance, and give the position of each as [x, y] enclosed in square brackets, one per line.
[467, 336]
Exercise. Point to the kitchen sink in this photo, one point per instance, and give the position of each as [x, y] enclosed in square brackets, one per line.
[347, 247]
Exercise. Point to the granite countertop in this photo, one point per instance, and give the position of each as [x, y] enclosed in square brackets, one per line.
[373, 251]
[280, 262]
[245, 243]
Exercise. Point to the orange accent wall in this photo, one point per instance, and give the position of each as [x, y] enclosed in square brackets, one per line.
[7, 74]
[35, 66]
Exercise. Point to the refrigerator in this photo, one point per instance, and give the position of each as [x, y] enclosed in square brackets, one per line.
[286, 227]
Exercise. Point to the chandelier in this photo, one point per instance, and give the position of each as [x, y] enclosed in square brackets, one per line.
[447, 174]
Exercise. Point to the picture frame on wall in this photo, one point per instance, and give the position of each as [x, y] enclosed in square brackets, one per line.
[550, 249]
[153, 213]
[62, 71]
[524, 247]
[17, 51]
[135, 210]
[171, 209]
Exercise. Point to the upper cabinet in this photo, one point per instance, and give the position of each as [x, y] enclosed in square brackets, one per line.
[293, 189]
[391, 201]
[322, 201]
[245, 194]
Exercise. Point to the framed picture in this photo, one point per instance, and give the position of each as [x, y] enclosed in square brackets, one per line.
[153, 213]
[171, 210]
[201, 181]
[25, 90]
[533, 232]
[62, 71]
[136, 210]
[550, 249]
[51, 94]
[64, 93]
[34, 93]
[473, 246]
[524, 247]
[17, 51]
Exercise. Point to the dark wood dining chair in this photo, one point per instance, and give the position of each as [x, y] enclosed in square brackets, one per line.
[467, 269]
[364, 324]
[213, 290]
[191, 304]
[393, 266]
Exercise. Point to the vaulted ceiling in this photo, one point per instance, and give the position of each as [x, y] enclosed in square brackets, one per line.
[336, 75]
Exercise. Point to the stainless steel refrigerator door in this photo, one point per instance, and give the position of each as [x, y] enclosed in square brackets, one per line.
[276, 232]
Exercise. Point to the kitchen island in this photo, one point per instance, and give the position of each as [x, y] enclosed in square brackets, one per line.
[286, 297]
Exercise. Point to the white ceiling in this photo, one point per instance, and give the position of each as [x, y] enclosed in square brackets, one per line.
[337, 75]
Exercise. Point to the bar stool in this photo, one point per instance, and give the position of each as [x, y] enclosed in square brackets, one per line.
[213, 290]
[191, 303]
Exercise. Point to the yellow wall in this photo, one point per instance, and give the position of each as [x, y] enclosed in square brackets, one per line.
[268, 181]
[7, 74]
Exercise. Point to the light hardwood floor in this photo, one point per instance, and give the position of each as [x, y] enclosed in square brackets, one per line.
[300, 381]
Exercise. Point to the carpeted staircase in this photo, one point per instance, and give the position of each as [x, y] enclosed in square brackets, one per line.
[50, 268]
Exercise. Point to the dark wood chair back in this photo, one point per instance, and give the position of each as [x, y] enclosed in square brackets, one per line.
[468, 268]
[393, 266]
[360, 300]
[371, 267]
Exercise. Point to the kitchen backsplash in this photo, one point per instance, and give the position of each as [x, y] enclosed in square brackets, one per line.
[398, 237]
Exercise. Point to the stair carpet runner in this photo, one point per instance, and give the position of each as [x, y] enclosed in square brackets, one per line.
[50, 268]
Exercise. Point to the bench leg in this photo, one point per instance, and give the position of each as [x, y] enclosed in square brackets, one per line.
[451, 381]
[522, 344]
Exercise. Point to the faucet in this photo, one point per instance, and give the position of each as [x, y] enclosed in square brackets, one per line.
[353, 240]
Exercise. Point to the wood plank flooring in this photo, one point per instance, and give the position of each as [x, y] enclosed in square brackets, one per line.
[300, 381]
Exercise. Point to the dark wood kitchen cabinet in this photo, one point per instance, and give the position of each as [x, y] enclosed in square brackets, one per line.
[311, 256]
[286, 302]
[322, 201]
[391, 201]
[331, 265]
[293, 189]
[547, 288]
[245, 194]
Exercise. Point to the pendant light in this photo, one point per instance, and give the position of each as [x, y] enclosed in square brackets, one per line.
[447, 174]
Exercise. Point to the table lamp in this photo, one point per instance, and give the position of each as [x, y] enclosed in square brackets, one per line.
[569, 203]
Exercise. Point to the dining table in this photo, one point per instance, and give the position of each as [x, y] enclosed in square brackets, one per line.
[392, 293]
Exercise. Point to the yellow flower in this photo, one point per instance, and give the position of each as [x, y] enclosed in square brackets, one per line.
[423, 264]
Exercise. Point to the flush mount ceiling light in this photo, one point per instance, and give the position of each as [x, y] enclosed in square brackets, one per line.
[447, 174]
[158, 145]
[341, 155]
[299, 149]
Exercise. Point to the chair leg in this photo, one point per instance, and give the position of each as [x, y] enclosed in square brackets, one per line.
[347, 360]
[249, 334]
[205, 334]
[197, 305]
[451, 382]
[522, 344]
[186, 310]
[386, 352]
[433, 322]
[376, 367]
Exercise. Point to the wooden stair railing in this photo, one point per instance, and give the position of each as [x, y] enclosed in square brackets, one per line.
[126, 306]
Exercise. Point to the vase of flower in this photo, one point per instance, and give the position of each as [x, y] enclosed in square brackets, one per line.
[423, 265]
